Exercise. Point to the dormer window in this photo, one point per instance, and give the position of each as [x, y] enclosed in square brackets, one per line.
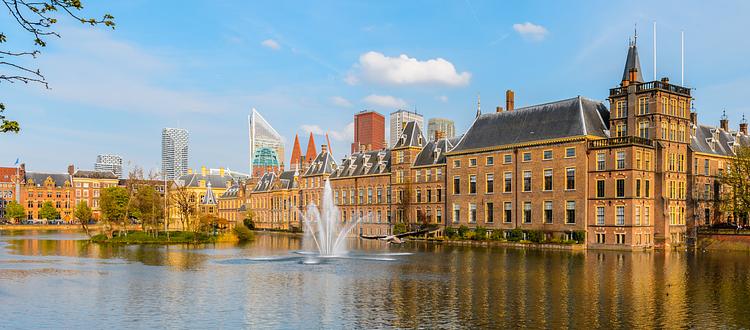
[403, 138]
[419, 139]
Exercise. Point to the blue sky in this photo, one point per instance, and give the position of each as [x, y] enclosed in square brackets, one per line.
[310, 66]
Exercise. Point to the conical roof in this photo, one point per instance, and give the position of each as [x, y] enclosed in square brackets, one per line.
[311, 152]
[296, 153]
[632, 63]
[209, 198]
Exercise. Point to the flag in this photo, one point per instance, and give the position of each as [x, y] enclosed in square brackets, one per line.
[16, 162]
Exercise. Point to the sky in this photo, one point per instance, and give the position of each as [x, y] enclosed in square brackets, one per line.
[309, 66]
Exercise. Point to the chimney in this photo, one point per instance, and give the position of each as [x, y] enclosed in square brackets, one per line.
[499, 109]
[323, 148]
[510, 99]
[665, 80]
[221, 171]
[743, 125]
[203, 171]
[438, 135]
[71, 169]
[724, 123]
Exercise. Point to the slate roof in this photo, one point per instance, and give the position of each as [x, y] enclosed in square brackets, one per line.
[231, 192]
[286, 180]
[39, 178]
[411, 136]
[95, 174]
[265, 182]
[632, 62]
[576, 116]
[209, 197]
[434, 151]
[716, 141]
[323, 164]
[216, 180]
[364, 163]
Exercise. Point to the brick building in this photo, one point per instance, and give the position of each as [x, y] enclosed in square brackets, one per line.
[38, 187]
[88, 186]
[369, 131]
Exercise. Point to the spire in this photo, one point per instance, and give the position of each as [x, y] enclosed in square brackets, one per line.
[209, 198]
[296, 153]
[479, 104]
[724, 114]
[328, 143]
[311, 150]
[632, 63]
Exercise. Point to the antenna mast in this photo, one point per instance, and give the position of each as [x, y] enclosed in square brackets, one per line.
[682, 58]
[654, 50]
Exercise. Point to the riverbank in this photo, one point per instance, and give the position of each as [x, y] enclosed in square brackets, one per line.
[95, 227]
[173, 237]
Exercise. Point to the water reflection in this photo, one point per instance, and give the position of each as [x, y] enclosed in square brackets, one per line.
[427, 285]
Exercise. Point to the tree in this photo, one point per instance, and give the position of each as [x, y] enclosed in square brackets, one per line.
[36, 17]
[48, 211]
[735, 178]
[113, 203]
[148, 207]
[15, 211]
[83, 214]
[183, 201]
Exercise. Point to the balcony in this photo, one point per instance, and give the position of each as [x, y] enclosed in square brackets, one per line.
[621, 141]
[651, 85]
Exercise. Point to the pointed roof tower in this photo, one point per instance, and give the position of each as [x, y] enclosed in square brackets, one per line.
[294, 162]
[632, 72]
[209, 198]
[311, 150]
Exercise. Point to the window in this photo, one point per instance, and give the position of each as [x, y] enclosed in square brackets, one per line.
[706, 167]
[548, 212]
[621, 130]
[643, 106]
[526, 156]
[664, 103]
[456, 163]
[507, 159]
[570, 152]
[647, 162]
[527, 181]
[570, 179]
[600, 239]
[620, 216]
[428, 175]
[489, 211]
[508, 182]
[439, 216]
[439, 174]
[646, 215]
[547, 179]
[638, 161]
[638, 188]
[472, 212]
[620, 238]
[369, 195]
[489, 161]
[456, 185]
[620, 160]
[643, 129]
[399, 157]
[343, 197]
[570, 212]
[600, 188]
[620, 188]
[380, 195]
[361, 196]
[526, 212]
[429, 195]
[508, 212]
[439, 194]
[547, 155]
[620, 109]
[472, 162]
[601, 164]
[416, 175]
[456, 213]
[600, 215]
[419, 195]
[637, 215]
[490, 183]
[472, 184]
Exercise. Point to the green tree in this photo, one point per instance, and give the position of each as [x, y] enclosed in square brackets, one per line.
[15, 211]
[113, 203]
[36, 17]
[83, 214]
[736, 200]
[48, 211]
[148, 207]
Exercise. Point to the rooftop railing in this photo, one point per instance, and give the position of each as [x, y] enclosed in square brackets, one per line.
[621, 141]
[660, 85]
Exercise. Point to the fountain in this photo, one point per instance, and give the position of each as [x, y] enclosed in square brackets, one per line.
[323, 229]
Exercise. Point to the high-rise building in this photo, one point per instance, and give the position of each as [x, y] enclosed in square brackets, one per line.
[369, 131]
[174, 152]
[111, 163]
[445, 126]
[266, 146]
[398, 122]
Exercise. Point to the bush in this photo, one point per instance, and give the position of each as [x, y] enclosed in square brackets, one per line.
[249, 224]
[399, 228]
[579, 236]
[462, 231]
[536, 236]
[243, 233]
[515, 235]
[450, 232]
[480, 233]
[497, 235]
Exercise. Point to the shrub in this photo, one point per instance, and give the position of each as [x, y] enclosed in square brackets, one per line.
[243, 233]
[480, 233]
[462, 231]
[450, 232]
[497, 235]
[536, 236]
[515, 235]
[399, 228]
[249, 224]
[579, 236]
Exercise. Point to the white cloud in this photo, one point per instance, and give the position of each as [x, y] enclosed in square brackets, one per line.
[442, 98]
[346, 134]
[385, 101]
[270, 43]
[404, 70]
[340, 101]
[531, 31]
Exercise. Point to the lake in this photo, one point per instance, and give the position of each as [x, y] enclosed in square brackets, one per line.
[58, 280]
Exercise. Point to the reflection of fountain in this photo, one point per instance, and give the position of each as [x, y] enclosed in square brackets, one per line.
[323, 226]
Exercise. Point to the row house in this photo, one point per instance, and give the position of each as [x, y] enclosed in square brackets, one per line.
[88, 186]
[8, 179]
[197, 187]
[274, 202]
[231, 204]
[38, 188]
[427, 205]
[361, 188]
[404, 153]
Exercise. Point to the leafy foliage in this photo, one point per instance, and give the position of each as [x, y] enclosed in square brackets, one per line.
[399, 228]
[48, 211]
[243, 233]
[83, 212]
[15, 211]
[113, 203]
[737, 199]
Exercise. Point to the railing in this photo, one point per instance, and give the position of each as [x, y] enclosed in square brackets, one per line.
[621, 141]
[651, 85]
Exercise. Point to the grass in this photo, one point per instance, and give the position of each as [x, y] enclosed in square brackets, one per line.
[140, 237]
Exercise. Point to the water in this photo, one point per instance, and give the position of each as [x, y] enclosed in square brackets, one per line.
[52, 279]
[323, 229]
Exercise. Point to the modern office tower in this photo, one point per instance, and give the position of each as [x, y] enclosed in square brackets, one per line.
[445, 126]
[266, 146]
[398, 121]
[174, 152]
[112, 163]
[369, 131]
